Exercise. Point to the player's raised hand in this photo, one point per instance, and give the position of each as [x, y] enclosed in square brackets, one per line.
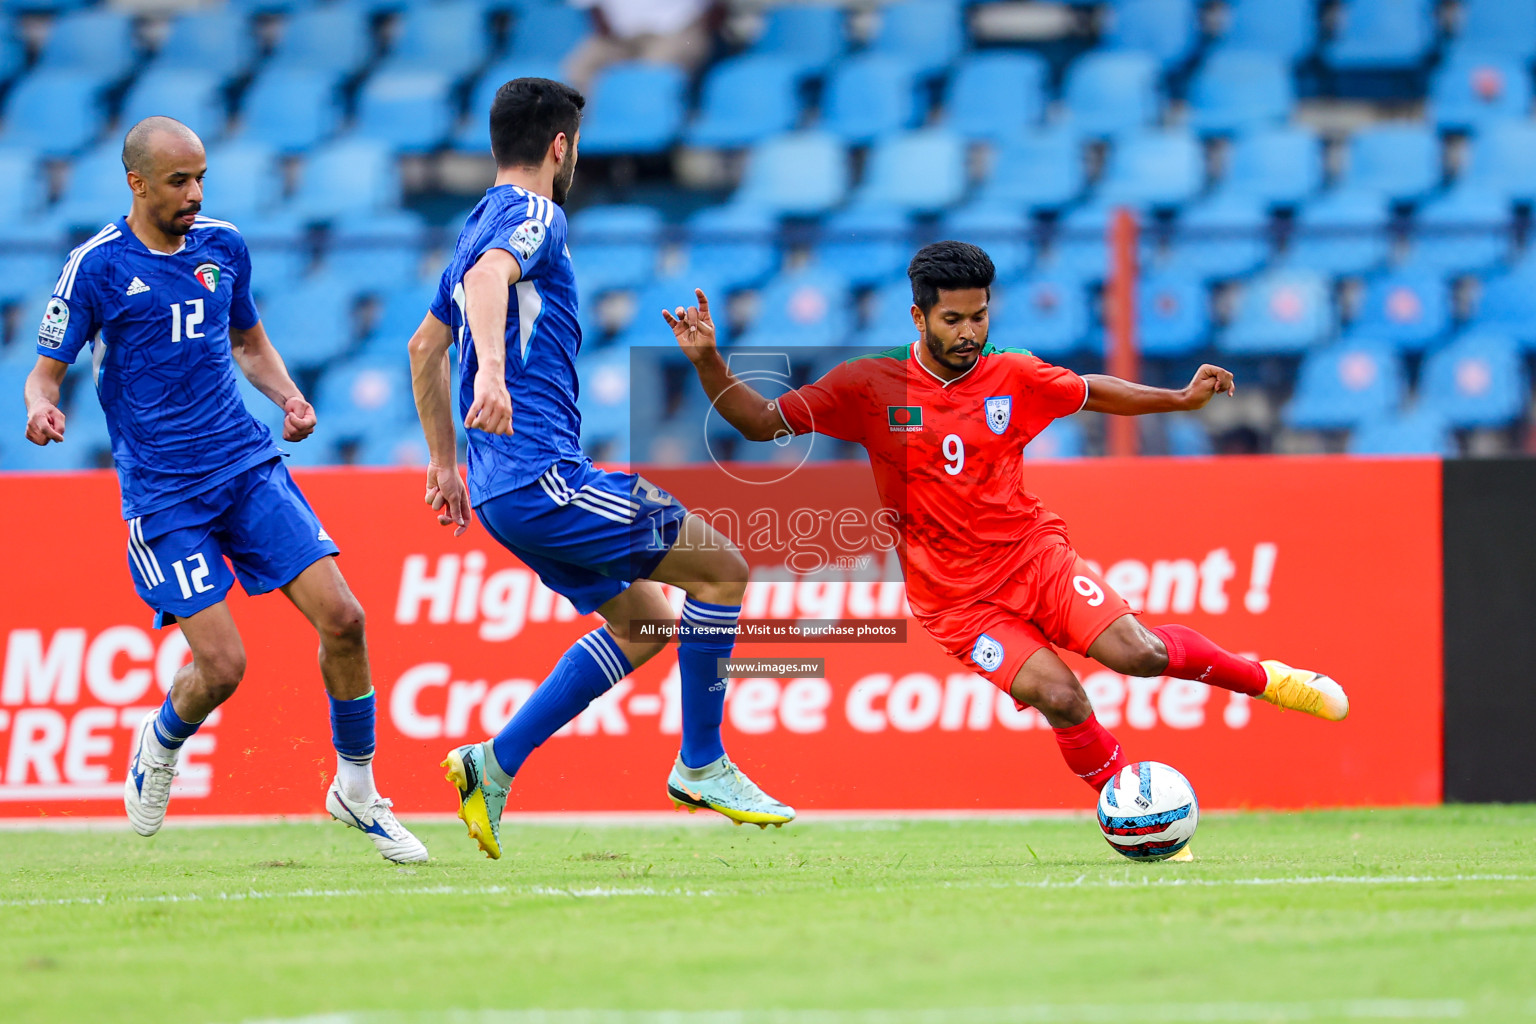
[491, 410]
[448, 497]
[1209, 381]
[692, 327]
[298, 419]
[45, 423]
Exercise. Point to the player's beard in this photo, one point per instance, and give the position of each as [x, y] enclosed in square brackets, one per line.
[948, 360]
[175, 228]
[563, 178]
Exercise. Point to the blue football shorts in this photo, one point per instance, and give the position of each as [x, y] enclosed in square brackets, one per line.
[257, 522]
[587, 532]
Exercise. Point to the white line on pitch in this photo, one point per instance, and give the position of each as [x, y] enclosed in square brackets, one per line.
[1080, 882]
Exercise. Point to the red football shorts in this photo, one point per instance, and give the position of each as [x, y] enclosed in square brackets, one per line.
[1052, 598]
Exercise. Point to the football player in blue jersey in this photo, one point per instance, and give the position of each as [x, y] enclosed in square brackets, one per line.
[604, 540]
[163, 297]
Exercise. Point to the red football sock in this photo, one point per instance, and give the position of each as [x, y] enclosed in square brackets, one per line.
[1091, 751]
[1192, 656]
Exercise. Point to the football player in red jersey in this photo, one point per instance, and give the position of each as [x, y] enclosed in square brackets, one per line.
[991, 574]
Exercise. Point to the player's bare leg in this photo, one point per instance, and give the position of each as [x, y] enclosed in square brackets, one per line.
[200, 686]
[322, 595]
[1128, 646]
[1045, 683]
[707, 566]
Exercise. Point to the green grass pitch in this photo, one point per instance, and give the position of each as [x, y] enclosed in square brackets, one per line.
[1331, 916]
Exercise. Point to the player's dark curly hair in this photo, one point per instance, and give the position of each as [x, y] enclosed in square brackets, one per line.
[949, 265]
[527, 114]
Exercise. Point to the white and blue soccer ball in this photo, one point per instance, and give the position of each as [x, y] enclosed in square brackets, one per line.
[1148, 811]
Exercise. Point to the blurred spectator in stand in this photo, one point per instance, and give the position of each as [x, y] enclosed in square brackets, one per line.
[676, 32]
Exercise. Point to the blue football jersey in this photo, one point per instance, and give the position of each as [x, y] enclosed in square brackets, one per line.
[158, 326]
[542, 339]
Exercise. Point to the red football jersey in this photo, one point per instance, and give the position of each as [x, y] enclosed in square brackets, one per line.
[948, 457]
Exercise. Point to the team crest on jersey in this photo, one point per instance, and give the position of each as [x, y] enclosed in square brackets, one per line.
[208, 274]
[527, 238]
[999, 412]
[987, 653]
[50, 333]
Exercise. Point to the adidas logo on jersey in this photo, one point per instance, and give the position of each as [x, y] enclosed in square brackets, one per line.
[138, 287]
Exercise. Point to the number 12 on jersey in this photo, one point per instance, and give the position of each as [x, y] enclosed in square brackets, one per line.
[194, 316]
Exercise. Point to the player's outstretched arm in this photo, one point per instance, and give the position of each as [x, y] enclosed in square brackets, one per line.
[738, 403]
[44, 420]
[264, 367]
[1126, 398]
[485, 307]
[432, 386]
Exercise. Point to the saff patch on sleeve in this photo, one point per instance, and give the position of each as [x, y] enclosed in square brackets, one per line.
[50, 333]
[527, 238]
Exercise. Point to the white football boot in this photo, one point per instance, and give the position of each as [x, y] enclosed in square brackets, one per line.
[722, 787]
[377, 821]
[147, 792]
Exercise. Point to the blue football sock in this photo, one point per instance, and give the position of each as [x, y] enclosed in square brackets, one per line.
[352, 729]
[170, 730]
[584, 673]
[708, 634]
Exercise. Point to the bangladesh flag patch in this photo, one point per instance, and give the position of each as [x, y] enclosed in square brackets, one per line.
[208, 274]
[904, 417]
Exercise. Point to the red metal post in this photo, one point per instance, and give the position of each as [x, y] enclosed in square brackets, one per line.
[1121, 355]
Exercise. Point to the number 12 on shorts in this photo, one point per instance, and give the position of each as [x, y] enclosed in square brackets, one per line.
[196, 581]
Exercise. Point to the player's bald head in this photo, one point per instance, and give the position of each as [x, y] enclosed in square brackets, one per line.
[158, 139]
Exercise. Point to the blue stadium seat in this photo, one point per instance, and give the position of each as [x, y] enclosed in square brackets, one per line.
[349, 175]
[1173, 313]
[192, 97]
[996, 94]
[403, 309]
[13, 54]
[86, 427]
[408, 110]
[1417, 431]
[1285, 28]
[1407, 308]
[1062, 439]
[868, 96]
[865, 244]
[1005, 231]
[448, 38]
[1046, 313]
[1080, 246]
[1167, 29]
[1161, 168]
[361, 397]
[1280, 311]
[615, 246]
[1342, 232]
[290, 108]
[32, 252]
[305, 320]
[922, 171]
[810, 35]
[53, 112]
[605, 392]
[98, 189]
[379, 251]
[475, 135]
[219, 41]
[1374, 35]
[244, 180]
[1345, 385]
[1041, 169]
[1503, 27]
[334, 38]
[733, 243]
[890, 319]
[279, 250]
[1279, 164]
[1111, 92]
[746, 99]
[1187, 436]
[1474, 89]
[1463, 230]
[1507, 306]
[635, 108]
[1478, 380]
[799, 173]
[1402, 161]
[95, 42]
[647, 328]
[1503, 160]
[808, 308]
[25, 189]
[547, 32]
[1237, 89]
[403, 447]
[928, 34]
[1224, 236]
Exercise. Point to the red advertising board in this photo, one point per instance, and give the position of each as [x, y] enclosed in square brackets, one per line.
[1325, 563]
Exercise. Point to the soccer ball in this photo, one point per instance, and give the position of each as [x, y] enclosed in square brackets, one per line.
[1148, 811]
